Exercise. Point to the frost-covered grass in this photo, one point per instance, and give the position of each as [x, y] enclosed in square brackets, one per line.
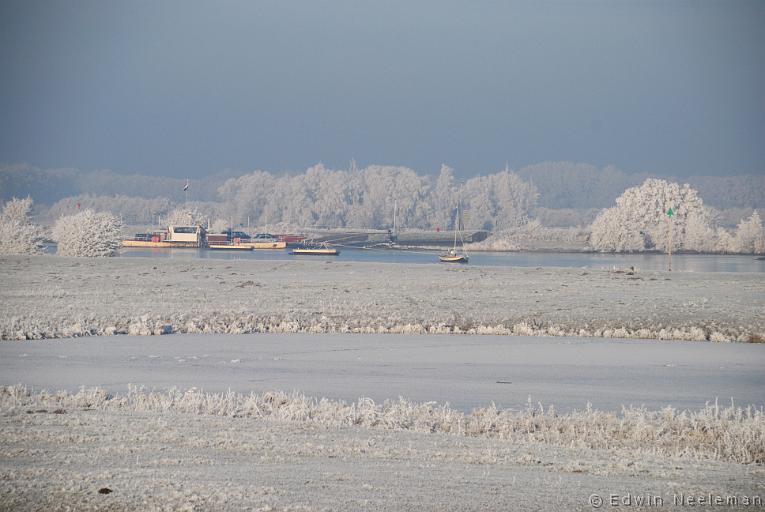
[732, 434]
[54, 297]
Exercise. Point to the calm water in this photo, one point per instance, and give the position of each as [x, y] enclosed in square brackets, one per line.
[680, 262]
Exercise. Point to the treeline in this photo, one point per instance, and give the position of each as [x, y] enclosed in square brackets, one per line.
[321, 197]
[368, 197]
[560, 185]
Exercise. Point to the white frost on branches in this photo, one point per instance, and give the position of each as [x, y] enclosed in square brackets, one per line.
[750, 237]
[185, 217]
[87, 234]
[639, 220]
[18, 236]
[365, 198]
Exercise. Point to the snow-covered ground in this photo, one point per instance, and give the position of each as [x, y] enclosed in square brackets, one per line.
[160, 449]
[52, 297]
[466, 371]
[362, 447]
[191, 451]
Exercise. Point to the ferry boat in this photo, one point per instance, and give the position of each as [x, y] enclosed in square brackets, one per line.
[174, 236]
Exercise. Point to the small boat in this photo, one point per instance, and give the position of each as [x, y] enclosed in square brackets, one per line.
[322, 250]
[453, 256]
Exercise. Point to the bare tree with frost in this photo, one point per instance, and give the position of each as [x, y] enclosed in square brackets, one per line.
[87, 234]
[639, 220]
[18, 235]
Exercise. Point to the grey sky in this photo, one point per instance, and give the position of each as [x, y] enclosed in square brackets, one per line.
[189, 88]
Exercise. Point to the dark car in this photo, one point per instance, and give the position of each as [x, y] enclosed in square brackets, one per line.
[236, 234]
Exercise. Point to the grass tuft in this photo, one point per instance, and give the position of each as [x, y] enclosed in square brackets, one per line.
[732, 433]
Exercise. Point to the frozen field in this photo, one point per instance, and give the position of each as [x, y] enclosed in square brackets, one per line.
[57, 455]
[52, 297]
[349, 330]
[466, 371]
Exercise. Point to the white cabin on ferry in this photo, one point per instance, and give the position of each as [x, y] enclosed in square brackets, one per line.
[189, 236]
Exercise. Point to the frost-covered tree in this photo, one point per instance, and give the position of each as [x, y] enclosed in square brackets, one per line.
[87, 234]
[365, 198]
[220, 225]
[700, 236]
[750, 237]
[609, 232]
[639, 219]
[723, 241]
[444, 198]
[497, 201]
[18, 235]
[186, 216]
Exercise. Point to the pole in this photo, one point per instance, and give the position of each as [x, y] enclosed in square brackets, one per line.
[394, 217]
[669, 243]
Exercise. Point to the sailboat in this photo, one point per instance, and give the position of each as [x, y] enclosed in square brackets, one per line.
[453, 256]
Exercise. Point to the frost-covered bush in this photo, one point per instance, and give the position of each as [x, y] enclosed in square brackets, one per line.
[750, 237]
[639, 221]
[87, 234]
[17, 233]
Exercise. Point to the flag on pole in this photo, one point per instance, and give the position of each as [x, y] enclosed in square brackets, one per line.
[670, 213]
[186, 186]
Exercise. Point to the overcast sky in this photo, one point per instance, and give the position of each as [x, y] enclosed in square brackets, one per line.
[186, 88]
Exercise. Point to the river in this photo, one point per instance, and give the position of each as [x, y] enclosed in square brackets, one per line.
[680, 262]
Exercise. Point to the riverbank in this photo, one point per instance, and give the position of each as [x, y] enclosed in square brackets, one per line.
[54, 297]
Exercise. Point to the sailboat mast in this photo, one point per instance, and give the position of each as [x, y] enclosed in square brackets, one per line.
[456, 225]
